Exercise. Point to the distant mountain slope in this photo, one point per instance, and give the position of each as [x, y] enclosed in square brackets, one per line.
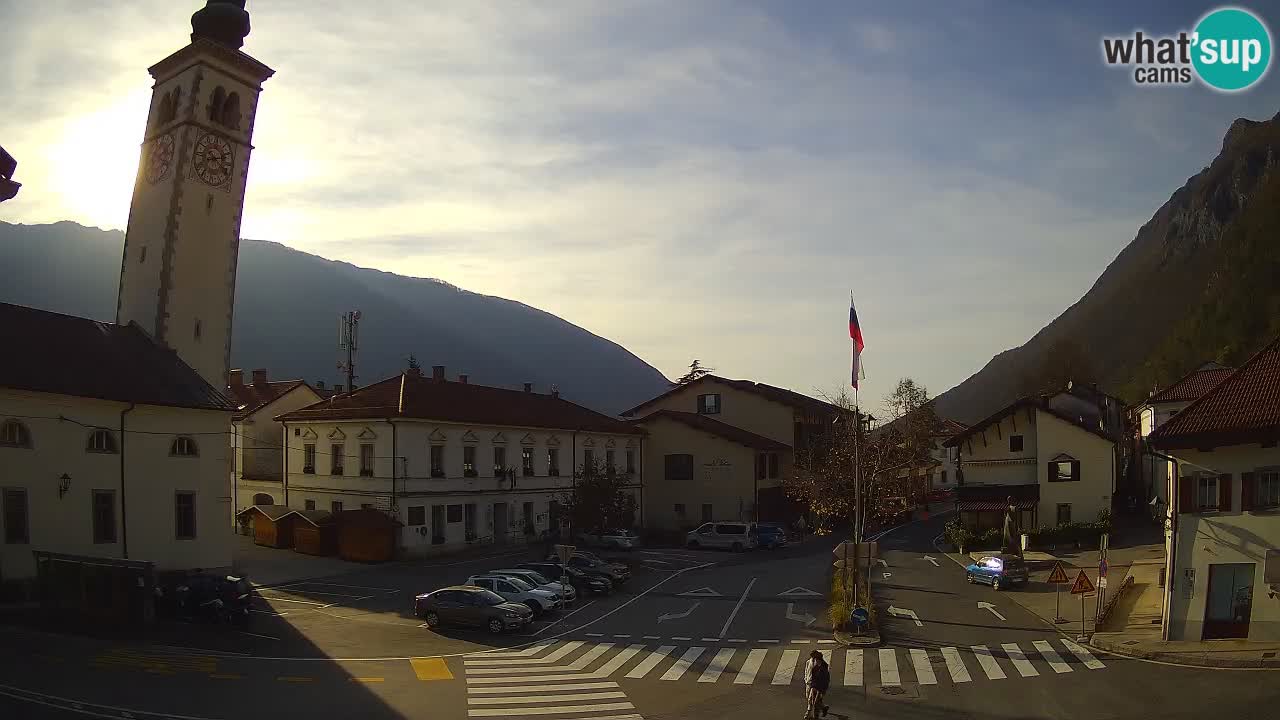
[1200, 281]
[287, 309]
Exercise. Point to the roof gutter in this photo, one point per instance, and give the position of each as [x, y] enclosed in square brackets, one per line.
[124, 515]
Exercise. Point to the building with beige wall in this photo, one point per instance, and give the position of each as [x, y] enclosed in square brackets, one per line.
[703, 470]
[110, 447]
[1223, 529]
[257, 439]
[1057, 468]
[456, 463]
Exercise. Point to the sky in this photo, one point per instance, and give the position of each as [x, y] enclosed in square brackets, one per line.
[701, 179]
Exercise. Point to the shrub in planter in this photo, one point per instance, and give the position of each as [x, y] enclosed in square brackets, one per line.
[955, 533]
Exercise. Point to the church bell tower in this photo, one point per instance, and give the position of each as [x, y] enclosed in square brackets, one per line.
[178, 275]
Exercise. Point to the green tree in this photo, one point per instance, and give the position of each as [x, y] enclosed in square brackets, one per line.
[695, 371]
[600, 498]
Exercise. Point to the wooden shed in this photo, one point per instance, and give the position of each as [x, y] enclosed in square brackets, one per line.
[367, 535]
[315, 532]
[272, 525]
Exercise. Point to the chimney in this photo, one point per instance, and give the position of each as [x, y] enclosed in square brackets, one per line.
[463, 379]
[260, 376]
[413, 372]
[528, 387]
[555, 391]
[319, 384]
[237, 378]
[437, 373]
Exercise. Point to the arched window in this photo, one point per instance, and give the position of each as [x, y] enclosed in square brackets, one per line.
[102, 441]
[14, 434]
[263, 499]
[215, 104]
[231, 111]
[184, 446]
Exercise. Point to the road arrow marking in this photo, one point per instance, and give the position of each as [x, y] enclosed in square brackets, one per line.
[679, 616]
[882, 562]
[803, 617]
[701, 592]
[901, 612]
[992, 608]
[931, 559]
[799, 592]
[888, 575]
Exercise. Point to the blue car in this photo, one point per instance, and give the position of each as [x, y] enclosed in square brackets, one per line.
[770, 536]
[999, 571]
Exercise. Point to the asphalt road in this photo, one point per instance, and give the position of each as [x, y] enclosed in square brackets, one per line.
[695, 634]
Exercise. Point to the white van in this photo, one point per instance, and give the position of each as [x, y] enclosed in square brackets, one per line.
[735, 536]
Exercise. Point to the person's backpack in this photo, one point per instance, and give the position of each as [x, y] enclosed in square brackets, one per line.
[820, 678]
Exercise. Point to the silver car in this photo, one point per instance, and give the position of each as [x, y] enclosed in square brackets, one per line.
[540, 581]
[735, 536]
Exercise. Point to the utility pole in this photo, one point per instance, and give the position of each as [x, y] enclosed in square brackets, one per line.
[348, 332]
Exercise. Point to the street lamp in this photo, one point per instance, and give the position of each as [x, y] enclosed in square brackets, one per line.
[64, 485]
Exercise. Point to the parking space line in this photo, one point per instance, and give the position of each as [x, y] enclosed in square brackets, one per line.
[269, 612]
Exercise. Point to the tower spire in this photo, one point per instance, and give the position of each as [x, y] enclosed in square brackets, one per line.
[223, 21]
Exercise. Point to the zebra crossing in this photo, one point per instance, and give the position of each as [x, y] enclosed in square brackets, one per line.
[575, 677]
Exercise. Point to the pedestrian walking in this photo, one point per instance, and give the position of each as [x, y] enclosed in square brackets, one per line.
[817, 678]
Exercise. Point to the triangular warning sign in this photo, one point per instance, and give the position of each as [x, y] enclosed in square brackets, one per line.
[799, 592]
[1059, 575]
[1082, 584]
[701, 592]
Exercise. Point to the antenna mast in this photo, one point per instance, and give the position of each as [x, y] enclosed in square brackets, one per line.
[348, 336]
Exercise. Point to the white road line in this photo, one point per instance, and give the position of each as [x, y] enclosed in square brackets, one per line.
[724, 630]
[1051, 656]
[541, 688]
[853, 667]
[767, 641]
[269, 612]
[889, 667]
[553, 710]
[565, 677]
[924, 671]
[717, 665]
[736, 641]
[709, 639]
[681, 638]
[988, 662]
[751, 666]
[786, 667]
[575, 697]
[594, 634]
[651, 637]
[560, 652]
[650, 662]
[1085, 656]
[801, 642]
[955, 666]
[1019, 660]
[826, 657]
[576, 666]
[682, 665]
[826, 642]
[589, 656]
[617, 661]
[531, 650]
[622, 637]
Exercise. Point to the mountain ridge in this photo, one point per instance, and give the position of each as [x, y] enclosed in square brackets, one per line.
[288, 302]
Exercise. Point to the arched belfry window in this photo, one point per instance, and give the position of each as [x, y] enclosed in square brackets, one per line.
[231, 111]
[216, 101]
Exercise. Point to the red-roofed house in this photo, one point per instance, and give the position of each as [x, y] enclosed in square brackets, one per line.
[1224, 521]
[454, 462]
[257, 439]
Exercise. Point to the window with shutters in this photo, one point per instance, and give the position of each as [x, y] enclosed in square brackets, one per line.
[609, 460]
[335, 506]
[1064, 471]
[553, 462]
[309, 458]
[469, 461]
[437, 461]
[102, 441]
[1064, 513]
[104, 516]
[183, 446]
[678, 467]
[1266, 495]
[709, 404]
[1207, 493]
[366, 460]
[335, 459]
[499, 461]
[526, 461]
[15, 434]
[309, 505]
[588, 458]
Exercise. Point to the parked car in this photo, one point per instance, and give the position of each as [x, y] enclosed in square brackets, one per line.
[591, 581]
[538, 580]
[610, 539]
[770, 535]
[516, 590]
[471, 606]
[587, 562]
[999, 570]
[735, 536]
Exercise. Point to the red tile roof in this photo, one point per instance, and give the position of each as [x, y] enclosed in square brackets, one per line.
[1191, 386]
[1038, 403]
[413, 396]
[67, 355]
[253, 396]
[717, 428]
[1242, 409]
[791, 398]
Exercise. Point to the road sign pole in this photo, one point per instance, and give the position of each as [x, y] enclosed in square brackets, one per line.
[1057, 607]
[1082, 632]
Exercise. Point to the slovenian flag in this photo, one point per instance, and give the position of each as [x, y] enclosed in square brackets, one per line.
[855, 332]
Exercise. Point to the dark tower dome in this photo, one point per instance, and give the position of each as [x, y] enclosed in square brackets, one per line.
[222, 21]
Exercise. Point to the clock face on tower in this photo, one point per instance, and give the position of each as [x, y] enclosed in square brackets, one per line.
[160, 158]
[213, 160]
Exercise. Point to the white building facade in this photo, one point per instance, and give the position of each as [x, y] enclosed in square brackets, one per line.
[456, 463]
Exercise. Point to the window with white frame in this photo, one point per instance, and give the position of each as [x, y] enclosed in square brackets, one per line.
[1267, 494]
[309, 458]
[101, 441]
[183, 446]
[14, 434]
[366, 459]
[1207, 492]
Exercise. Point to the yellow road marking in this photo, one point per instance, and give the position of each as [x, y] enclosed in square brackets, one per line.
[293, 679]
[431, 669]
[368, 679]
[225, 676]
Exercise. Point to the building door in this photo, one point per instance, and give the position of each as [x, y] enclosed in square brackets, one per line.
[437, 524]
[499, 522]
[469, 521]
[1229, 602]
